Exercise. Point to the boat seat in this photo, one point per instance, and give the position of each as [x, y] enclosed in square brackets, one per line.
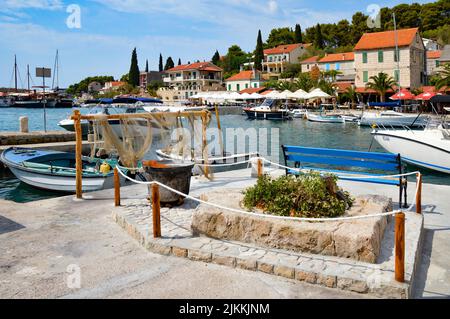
[348, 165]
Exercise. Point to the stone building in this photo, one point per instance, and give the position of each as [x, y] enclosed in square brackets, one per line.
[244, 80]
[276, 59]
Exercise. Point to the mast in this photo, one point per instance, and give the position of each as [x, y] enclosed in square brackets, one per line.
[28, 77]
[15, 72]
[56, 73]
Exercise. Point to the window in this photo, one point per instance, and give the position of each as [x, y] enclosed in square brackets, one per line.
[397, 75]
[238, 87]
[380, 57]
[327, 67]
[396, 55]
[366, 76]
[438, 63]
[246, 85]
[338, 66]
[255, 85]
[229, 87]
[364, 57]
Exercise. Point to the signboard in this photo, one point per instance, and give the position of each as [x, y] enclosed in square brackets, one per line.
[43, 73]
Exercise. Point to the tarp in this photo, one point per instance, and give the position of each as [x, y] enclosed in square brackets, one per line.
[440, 99]
[385, 104]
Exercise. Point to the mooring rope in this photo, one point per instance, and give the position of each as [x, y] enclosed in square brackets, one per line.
[119, 169]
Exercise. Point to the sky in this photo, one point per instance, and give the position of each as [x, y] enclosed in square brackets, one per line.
[96, 37]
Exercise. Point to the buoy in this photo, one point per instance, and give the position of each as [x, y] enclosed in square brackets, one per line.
[105, 168]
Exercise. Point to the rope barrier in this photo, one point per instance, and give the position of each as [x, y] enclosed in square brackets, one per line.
[258, 214]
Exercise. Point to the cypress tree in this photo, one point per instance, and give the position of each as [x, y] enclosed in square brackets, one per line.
[179, 61]
[318, 40]
[169, 64]
[216, 58]
[146, 66]
[298, 34]
[133, 75]
[161, 68]
[259, 52]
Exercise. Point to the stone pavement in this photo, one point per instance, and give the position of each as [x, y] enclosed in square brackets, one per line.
[332, 272]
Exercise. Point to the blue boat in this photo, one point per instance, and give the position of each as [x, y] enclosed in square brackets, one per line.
[56, 171]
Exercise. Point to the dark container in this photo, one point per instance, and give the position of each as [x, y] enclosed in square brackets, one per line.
[175, 175]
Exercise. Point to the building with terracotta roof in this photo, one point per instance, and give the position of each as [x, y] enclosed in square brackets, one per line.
[244, 80]
[276, 59]
[433, 62]
[341, 62]
[309, 63]
[184, 81]
[375, 53]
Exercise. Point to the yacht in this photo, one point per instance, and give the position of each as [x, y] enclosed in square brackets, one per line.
[392, 119]
[269, 110]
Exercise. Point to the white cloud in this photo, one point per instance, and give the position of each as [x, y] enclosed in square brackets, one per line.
[273, 6]
[32, 4]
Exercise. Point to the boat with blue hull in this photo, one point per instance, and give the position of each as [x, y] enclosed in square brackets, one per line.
[56, 171]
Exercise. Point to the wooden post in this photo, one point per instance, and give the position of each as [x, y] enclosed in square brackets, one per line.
[260, 168]
[205, 143]
[156, 205]
[116, 187]
[419, 194]
[400, 247]
[78, 154]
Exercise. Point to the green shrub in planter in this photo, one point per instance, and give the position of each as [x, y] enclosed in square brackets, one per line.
[309, 195]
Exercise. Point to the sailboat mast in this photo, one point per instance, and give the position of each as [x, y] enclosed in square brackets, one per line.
[15, 72]
[28, 77]
[56, 73]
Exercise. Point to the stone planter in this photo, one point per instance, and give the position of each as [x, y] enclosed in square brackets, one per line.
[174, 175]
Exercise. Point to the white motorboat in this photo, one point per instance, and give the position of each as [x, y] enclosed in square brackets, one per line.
[299, 113]
[429, 148]
[324, 118]
[393, 119]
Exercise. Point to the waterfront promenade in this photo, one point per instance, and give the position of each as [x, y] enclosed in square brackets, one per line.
[41, 239]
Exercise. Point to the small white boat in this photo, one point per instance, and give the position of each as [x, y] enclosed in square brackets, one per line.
[393, 119]
[55, 171]
[429, 148]
[299, 113]
[324, 118]
[350, 118]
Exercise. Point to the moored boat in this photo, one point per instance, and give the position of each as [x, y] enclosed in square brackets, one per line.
[393, 119]
[268, 110]
[324, 118]
[56, 171]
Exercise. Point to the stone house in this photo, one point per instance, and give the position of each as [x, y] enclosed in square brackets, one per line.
[309, 63]
[244, 80]
[341, 62]
[276, 59]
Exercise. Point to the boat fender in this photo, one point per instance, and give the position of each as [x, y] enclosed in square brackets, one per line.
[105, 168]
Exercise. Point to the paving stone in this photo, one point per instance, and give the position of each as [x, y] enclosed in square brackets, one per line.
[224, 260]
[265, 267]
[247, 263]
[199, 255]
[284, 271]
[179, 252]
[327, 281]
[308, 277]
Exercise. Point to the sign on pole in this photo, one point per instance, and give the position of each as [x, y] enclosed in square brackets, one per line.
[43, 73]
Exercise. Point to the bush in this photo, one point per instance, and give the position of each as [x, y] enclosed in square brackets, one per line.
[310, 195]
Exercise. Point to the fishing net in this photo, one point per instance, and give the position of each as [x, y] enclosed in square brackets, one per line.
[130, 138]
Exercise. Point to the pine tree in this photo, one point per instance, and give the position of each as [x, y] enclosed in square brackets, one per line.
[133, 75]
[161, 68]
[298, 34]
[259, 52]
[216, 58]
[169, 64]
[179, 61]
[318, 40]
[146, 66]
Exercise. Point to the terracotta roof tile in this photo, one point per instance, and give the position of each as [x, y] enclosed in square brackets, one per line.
[380, 40]
[312, 59]
[253, 90]
[337, 57]
[242, 76]
[202, 66]
[285, 48]
[434, 54]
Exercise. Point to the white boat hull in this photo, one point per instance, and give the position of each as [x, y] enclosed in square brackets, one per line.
[394, 121]
[426, 148]
[324, 119]
[66, 184]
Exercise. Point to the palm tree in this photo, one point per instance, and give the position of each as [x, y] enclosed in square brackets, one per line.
[351, 94]
[381, 83]
[332, 74]
[444, 77]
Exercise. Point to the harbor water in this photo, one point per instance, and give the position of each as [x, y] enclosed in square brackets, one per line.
[297, 132]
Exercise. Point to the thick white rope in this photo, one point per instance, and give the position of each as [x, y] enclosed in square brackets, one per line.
[257, 214]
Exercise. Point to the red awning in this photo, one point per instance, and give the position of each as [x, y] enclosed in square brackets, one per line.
[404, 94]
[425, 96]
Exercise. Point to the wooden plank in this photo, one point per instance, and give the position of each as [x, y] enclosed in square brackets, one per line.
[78, 154]
[260, 168]
[156, 207]
[400, 247]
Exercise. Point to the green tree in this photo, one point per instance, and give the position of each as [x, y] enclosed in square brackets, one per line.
[381, 83]
[216, 58]
[298, 34]
[259, 52]
[161, 68]
[179, 61]
[169, 64]
[291, 71]
[133, 75]
[280, 36]
[318, 39]
[359, 26]
[444, 77]
[233, 60]
[146, 66]
[351, 95]
[82, 87]
[304, 82]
